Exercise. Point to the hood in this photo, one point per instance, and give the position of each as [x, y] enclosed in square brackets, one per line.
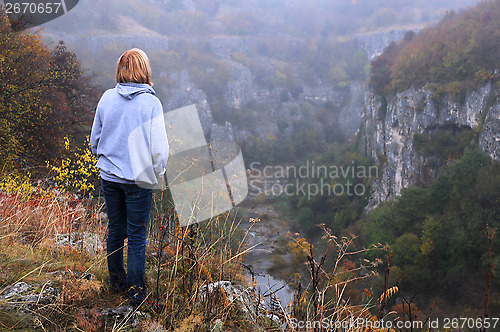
[130, 90]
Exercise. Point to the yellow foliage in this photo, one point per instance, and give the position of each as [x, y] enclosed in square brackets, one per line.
[431, 226]
[21, 185]
[388, 293]
[16, 183]
[77, 173]
[299, 246]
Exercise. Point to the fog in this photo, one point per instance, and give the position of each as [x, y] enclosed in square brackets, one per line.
[294, 17]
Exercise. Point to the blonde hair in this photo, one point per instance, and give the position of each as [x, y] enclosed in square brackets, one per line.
[133, 66]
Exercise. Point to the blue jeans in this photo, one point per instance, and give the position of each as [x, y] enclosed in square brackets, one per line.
[128, 207]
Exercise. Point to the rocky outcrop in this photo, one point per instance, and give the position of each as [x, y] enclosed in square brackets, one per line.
[222, 134]
[95, 43]
[240, 90]
[23, 300]
[350, 113]
[267, 108]
[25, 297]
[374, 43]
[343, 106]
[247, 299]
[185, 93]
[226, 46]
[329, 110]
[123, 316]
[390, 127]
[91, 243]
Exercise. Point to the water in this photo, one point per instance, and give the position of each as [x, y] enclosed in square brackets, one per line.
[268, 285]
[263, 235]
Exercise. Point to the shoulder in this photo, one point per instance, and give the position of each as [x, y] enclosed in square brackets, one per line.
[108, 94]
[149, 99]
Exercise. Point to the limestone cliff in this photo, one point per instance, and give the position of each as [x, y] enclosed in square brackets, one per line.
[390, 126]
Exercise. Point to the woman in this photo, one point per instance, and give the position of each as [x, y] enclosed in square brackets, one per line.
[129, 138]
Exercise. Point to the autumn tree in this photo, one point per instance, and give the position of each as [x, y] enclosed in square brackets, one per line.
[460, 51]
[44, 97]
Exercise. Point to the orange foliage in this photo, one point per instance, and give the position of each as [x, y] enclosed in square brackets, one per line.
[462, 47]
[43, 97]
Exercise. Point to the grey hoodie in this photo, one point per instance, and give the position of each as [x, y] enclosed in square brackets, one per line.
[129, 136]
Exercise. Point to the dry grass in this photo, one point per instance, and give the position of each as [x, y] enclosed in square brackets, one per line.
[29, 253]
[184, 259]
[180, 261]
[37, 217]
[190, 257]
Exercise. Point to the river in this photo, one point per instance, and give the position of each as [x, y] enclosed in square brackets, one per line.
[264, 232]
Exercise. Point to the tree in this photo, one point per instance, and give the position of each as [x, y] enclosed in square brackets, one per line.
[459, 50]
[44, 97]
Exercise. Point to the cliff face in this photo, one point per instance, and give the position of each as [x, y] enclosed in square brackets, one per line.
[343, 114]
[390, 127]
[333, 112]
[374, 43]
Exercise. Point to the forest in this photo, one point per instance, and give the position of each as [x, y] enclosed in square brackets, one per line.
[438, 234]
[455, 55]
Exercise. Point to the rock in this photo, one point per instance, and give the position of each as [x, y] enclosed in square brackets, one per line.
[271, 111]
[222, 145]
[217, 326]
[91, 243]
[226, 46]
[351, 114]
[24, 299]
[247, 299]
[275, 319]
[389, 133]
[220, 133]
[184, 94]
[118, 313]
[28, 297]
[241, 90]
[153, 327]
[124, 316]
[343, 110]
[374, 43]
